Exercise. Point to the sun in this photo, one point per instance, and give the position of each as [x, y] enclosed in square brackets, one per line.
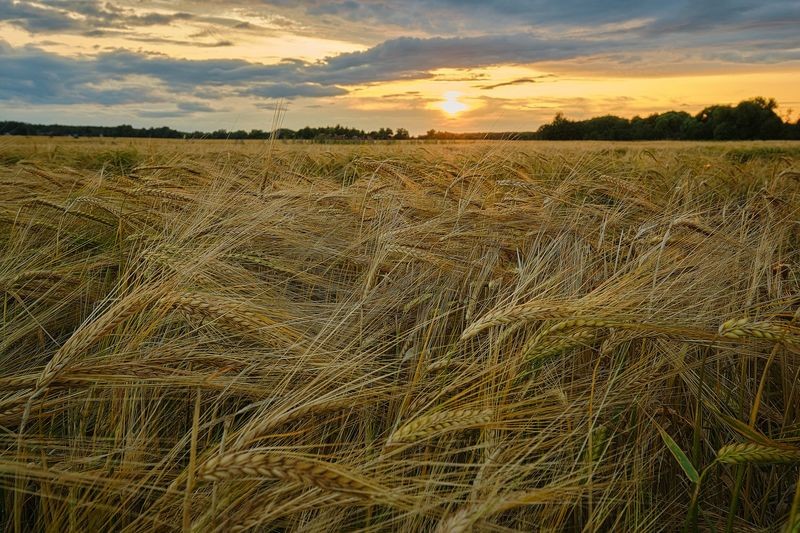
[451, 105]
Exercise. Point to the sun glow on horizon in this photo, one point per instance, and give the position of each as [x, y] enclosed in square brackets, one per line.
[451, 105]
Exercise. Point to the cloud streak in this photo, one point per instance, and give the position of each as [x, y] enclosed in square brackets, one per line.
[518, 81]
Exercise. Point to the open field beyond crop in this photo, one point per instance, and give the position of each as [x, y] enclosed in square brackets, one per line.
[220, 336]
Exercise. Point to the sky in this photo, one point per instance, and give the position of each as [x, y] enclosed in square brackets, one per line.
[455, 65]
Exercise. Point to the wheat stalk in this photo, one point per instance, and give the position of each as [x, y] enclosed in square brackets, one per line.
[428, 425]
[166, 167]
[756, 453]
[445, 363]
[234, 314]
[542, 345]
[506, 333]
[303, 470]
[743, 327]
[577, 323]
[258, 260]
[12, 406]
[160, 193]
[36, 274]
[301, 411]
[88, 334]
[257, 513]
[17, 282]
[67, 211]
[422, 298]
[521, 313]
[96, 202]
[44, 175]
[695, 224]
[462, 521]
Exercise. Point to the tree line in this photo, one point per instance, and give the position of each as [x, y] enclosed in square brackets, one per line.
[337, 132]
[750, 119]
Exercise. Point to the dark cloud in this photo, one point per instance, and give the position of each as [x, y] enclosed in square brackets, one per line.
[187, 74]
[645, 17]
[728, 15]
[721, 22]
[182, 109]
[79, 16]
[31, 75]
[35, 18]
[195, 107]
[463, 33]
[415, 58]
[166, 113]
[452, 15]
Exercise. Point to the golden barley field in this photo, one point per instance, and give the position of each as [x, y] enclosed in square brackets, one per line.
[218, 336]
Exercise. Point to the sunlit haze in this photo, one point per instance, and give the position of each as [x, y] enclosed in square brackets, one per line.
[461, 66]
[451, 105]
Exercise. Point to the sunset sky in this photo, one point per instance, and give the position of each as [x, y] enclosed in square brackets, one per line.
[457, 65]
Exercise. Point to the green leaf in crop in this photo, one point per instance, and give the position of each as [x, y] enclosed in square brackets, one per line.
[681, 457]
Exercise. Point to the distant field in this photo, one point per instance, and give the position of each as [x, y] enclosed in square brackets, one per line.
[244, 336]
